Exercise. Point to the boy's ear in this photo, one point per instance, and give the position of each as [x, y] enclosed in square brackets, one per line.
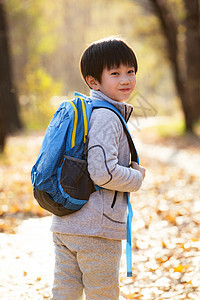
[92, 82]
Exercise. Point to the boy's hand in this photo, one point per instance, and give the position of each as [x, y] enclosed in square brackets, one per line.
[135, 166]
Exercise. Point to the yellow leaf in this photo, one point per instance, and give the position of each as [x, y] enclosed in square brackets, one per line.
[133, 296]
[38, 278]
[179, 269]
[195, 240]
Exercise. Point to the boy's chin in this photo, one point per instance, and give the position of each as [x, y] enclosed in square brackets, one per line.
[123, 99]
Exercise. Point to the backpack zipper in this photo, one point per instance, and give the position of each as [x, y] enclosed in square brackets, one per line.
[129, 114]
[125, 113]
[114, 200]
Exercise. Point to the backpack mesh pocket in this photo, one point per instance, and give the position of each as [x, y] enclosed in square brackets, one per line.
[75, 178]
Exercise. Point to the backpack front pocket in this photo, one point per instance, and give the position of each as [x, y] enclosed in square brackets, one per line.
[75, 178]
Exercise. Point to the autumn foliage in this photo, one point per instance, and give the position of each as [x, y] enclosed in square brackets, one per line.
[16, 193]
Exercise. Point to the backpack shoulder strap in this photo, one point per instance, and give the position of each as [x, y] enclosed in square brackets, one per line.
[103, 104]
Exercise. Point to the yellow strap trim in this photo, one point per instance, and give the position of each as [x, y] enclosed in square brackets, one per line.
[84, 119]
[75, 124]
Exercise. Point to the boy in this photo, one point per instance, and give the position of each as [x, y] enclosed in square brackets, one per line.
[88, 242]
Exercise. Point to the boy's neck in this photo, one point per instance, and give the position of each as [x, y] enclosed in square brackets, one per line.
[102, 95]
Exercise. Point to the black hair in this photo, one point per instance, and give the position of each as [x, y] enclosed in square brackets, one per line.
[107, 53]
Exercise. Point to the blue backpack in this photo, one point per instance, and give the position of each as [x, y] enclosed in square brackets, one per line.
[60, 179]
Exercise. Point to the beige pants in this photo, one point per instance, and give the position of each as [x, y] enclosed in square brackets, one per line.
[86, 263]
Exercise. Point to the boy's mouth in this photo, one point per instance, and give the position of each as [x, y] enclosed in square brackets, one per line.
[125, 90]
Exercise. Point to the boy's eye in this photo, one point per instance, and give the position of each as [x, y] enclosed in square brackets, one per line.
[131, 71]
[114, 73]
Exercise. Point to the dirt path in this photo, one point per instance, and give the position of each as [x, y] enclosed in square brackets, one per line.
[166, 232]
[27, 261]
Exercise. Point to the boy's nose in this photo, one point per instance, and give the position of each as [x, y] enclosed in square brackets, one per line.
[124, 80]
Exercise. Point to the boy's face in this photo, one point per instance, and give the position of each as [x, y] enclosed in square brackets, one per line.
[117, 83]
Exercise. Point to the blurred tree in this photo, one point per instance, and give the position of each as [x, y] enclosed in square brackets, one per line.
[47, 39]
[9, 119]
[179, 20]
[34, 40]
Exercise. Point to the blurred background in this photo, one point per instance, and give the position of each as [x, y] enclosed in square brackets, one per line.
[41, 42]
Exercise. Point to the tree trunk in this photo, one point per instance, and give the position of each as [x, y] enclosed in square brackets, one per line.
[186, 81]
[192, 60]
[9, 117]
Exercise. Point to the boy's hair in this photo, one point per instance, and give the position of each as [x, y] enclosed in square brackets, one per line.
[106, 53]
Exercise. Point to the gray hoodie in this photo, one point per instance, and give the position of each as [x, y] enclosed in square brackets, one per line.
[104, 215]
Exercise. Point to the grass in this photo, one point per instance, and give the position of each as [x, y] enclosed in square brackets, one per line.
[175, 127]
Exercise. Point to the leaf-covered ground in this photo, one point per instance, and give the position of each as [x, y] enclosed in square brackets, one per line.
[166, 231]
[16, 197]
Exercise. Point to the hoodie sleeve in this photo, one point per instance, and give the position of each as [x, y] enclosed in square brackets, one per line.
[105, 134]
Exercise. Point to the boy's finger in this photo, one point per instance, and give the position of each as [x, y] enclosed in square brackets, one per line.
[134, 163]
